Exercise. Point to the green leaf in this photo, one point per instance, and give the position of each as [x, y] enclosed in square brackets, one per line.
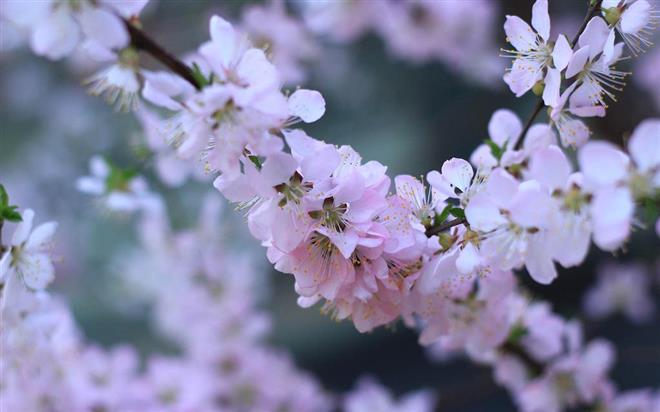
[199, 76]
[10, 214]
[517, 332]
[457, 212]
[256, 161]
[439, 219]
[496, 151]
[119, 179]
[4, 197]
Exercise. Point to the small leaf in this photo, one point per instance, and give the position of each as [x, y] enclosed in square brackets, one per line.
[439, 219]
[495, 150]
[457, 212]
[199, 76]
[11, 215]
[517, 332]
[4, 197]
[256, 161]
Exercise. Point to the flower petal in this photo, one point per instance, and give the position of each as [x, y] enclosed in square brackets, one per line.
[308, 105]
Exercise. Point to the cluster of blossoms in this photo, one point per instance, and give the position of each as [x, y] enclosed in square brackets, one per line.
[97, 29]
[416, 30]
[585, 66]
[210, 312]
[438, 253]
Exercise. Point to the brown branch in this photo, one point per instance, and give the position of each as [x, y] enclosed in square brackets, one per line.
[141, 41]
[434, 230]
[593, 8]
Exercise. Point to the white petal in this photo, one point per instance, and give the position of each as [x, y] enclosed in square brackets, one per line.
[36, 270]
[99, 167]
[501, 187]
[594, 35]
[611, 210]
[531, 206]
[571, 236]
[483, 214]
[574, 132]
[636, 17]
[5, 261]
[411, 189]
[519, 34]
[541, 19]
[56, 36]
[458, 173]
[161, 87]
[308, 105]
[523, 75]
[468, 259]
[41, 236]
[22, 231]
[602, 163]
[644, 145]
[103, 27]
[578, 61]
[550, 167]
[562, 53]
[552, 86]
[539, 136]
[90, 185]
[504, 126]
[321, 164]
[539, 262]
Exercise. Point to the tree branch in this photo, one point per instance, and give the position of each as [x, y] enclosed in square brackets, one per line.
[141, 41]
[434, 230]
[593, 8]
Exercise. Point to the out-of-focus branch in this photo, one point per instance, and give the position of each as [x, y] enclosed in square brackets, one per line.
[142, 41]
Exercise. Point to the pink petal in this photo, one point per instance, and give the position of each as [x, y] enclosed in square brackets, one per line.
[644, 145]
[552, 86]
[562, 53]
[519, 34]
[602, 163]
[308, 105]
[594, 35]
[541, 19]
[550, 167]
[578, 61]
[458, 173]
[504, 126]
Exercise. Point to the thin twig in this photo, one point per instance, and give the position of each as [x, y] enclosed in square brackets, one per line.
[434, 230]
[593, 8]
[141, 41]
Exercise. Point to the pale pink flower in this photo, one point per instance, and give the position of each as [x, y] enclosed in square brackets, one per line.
[633, 19]
[28, 254]
[513, 219]
[593, 63]
[621, 288]
[371, 396]
[283, 37]
[535, 58]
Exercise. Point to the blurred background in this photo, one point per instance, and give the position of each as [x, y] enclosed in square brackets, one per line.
[411, 116]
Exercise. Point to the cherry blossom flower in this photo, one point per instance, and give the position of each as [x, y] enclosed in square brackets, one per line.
[633, 19]
[118, 190]
[284, 38]
[597, 76]
[534, 55]
[369, 395]
[28, 257]
[621, 288]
